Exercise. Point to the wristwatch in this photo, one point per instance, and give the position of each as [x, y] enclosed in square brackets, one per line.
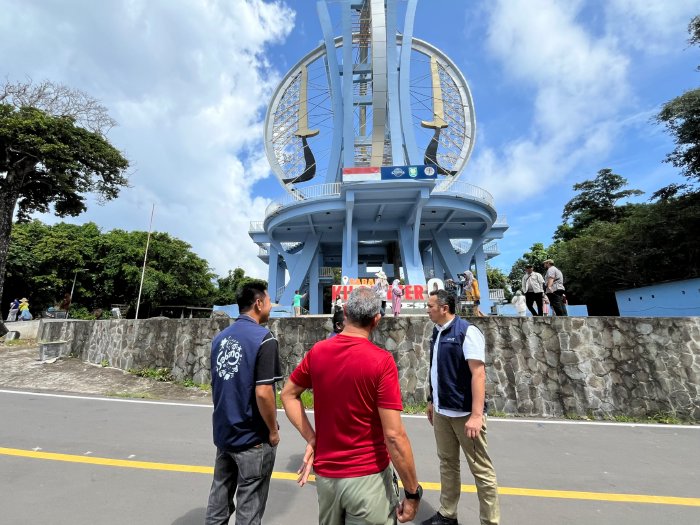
[418, 494]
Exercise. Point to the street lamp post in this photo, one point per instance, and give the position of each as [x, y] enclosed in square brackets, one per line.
[75, 278]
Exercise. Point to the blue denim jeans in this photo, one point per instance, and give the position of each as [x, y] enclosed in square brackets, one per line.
[245, 474]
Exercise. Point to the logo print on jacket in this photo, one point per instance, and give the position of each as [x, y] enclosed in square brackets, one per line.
[228, 358]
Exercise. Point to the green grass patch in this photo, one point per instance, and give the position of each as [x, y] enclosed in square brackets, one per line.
[660, 418]
[189, 383]
[131, 395]
[18, 343]
[414, 408]
[307, 399]
[158, 374]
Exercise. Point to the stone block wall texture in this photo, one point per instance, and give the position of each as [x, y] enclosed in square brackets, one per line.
[598, 366]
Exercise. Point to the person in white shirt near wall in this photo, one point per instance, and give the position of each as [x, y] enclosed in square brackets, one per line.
[533, 287]
[457, 410]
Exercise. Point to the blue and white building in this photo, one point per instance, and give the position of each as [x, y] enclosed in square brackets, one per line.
[370, 134]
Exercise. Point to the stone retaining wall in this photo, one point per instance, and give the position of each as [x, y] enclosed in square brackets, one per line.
[597, 366]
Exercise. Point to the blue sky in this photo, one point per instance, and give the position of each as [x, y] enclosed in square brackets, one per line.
[561, 89]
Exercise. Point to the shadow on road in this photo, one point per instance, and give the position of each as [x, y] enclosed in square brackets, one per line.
[193, 517]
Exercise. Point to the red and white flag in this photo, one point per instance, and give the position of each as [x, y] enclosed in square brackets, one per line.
[361, 174]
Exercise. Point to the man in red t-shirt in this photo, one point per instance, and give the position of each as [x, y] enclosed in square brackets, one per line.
[357, 410]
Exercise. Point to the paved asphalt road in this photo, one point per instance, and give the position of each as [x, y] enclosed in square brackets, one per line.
[52, 471]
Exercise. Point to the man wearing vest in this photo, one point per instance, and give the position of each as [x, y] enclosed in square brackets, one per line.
[244, 369]
[457, 410]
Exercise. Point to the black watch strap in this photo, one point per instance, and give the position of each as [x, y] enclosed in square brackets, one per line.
[418, 494]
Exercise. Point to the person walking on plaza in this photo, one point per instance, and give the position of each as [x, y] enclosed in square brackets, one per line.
[357, 411]
[297, 303]
[245, 366]
[518, 301]
[381, 287]
[14, 310]
[24, 313]
[471, 290]
[457, 410]
[396, 294]
[533, 286]
[554, 282]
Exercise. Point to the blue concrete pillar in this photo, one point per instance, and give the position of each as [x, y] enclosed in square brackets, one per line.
[315, 298]
[480, 261]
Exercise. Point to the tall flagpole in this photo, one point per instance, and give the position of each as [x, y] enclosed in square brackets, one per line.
[145, 256]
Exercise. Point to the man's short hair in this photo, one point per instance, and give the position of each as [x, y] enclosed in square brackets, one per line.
[249, 293]
[445, 299]
[528, 266]
[362, 306]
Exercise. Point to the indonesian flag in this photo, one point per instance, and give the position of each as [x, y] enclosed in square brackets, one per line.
[361, 174]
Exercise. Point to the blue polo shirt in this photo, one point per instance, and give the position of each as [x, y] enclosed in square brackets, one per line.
[242, 356]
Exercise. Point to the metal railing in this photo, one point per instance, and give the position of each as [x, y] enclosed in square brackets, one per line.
[501, 220]
[263, 251]
[463, 189]
[326, 271]
[497, 295]
[256, 227]
[309, 193]
[462, 246]
[491, 248]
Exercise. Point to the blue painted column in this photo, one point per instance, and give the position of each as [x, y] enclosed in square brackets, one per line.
[315, 297]
[350, 238]
[480, 261]
[272, 274]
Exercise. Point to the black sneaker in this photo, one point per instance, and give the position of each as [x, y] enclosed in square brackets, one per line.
[439, 519]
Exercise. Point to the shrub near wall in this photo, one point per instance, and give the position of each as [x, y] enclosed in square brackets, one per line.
[598, 366]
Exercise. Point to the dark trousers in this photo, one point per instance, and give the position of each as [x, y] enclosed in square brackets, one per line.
[557, 303]
[247, 475]
[534, 297]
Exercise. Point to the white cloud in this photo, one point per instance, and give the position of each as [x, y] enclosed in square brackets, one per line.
[573, 61]
[579, 84]
[188, 82]
[650, 26]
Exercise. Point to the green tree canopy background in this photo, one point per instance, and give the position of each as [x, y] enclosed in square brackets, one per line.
[43, 261]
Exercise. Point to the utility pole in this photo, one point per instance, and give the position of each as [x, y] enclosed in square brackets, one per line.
[145, 256]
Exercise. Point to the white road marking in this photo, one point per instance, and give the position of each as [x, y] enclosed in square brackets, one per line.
[406, 416]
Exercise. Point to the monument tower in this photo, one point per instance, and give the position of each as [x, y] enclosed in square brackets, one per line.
[369, 135]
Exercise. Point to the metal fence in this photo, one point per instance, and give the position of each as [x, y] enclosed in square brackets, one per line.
[309, 193]
[463, 189]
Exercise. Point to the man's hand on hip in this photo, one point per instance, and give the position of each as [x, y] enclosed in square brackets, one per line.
[472, 427]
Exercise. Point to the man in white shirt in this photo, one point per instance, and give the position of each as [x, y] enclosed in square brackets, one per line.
[457, 410]
[533, 288]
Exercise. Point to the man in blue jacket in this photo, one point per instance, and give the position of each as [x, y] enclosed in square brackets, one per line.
[457, 410]
[244, 369]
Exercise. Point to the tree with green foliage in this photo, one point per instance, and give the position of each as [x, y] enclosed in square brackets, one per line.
[536, 257]
[231, 285]
[597, 200]
[498, 280]
[53, 152]
[45, 259]
[681, 116]
[655, 242]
